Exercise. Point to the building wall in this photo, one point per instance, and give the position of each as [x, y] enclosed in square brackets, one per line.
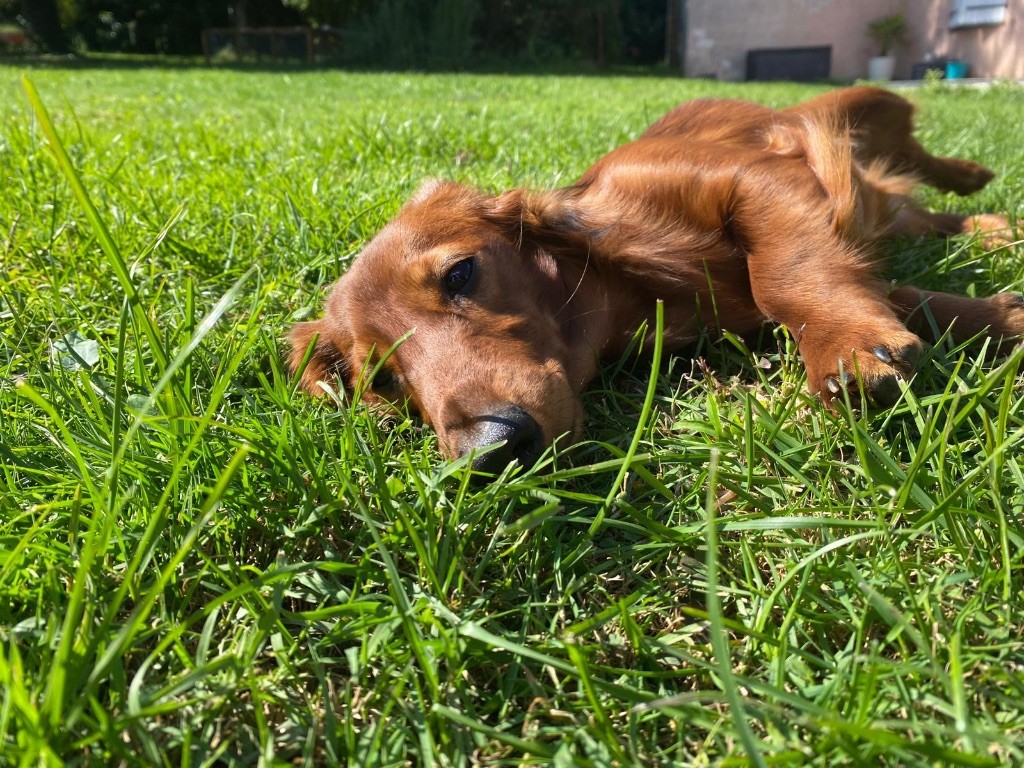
[720, 32]
[990, 51]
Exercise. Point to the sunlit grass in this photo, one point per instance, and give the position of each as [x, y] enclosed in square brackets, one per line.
[200, 566]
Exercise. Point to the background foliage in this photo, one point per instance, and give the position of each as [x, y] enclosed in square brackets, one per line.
[393, 33]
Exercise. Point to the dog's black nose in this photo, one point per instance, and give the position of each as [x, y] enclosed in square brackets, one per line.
[520, 436]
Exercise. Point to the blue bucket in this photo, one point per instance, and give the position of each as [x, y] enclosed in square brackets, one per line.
[956, 70]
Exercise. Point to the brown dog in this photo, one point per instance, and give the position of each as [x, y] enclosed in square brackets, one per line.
[733, 213]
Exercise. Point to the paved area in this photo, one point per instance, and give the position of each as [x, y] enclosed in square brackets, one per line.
[966, 82]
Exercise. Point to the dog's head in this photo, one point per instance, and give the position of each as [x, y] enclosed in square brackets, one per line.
[468, 306]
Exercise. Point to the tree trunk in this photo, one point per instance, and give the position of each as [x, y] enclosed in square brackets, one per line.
[675, 25]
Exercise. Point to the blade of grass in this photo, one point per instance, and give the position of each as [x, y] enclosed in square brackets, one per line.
[719, 637]
[641, 425]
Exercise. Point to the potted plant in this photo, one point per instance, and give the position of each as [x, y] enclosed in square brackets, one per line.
[888, 32]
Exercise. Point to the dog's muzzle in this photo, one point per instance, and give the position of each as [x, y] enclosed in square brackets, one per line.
[518, 435]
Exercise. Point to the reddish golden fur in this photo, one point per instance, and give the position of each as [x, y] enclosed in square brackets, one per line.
[733, 213]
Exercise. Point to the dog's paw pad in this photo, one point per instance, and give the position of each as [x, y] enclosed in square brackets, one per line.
[883, 389]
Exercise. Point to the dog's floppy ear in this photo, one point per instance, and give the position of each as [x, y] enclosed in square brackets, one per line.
[549, 219]
[328, 358]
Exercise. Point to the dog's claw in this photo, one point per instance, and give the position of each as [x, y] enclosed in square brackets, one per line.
[835, 385]
[882, 354]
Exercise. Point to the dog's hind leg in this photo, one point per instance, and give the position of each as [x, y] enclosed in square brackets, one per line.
[912, 221]
[948, 174]
[882, 126]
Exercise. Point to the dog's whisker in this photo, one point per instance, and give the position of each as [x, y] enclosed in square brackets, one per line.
[583, 274]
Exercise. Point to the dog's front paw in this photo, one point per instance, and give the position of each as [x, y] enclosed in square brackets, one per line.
[874, 370]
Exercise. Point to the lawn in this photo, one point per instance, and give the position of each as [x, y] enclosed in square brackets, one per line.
[200, 566]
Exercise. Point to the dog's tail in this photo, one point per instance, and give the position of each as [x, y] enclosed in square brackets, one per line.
[862, 198]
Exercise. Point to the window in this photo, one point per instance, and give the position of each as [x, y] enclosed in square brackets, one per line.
[977, 13]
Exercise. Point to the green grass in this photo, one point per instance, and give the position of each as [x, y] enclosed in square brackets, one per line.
[199, 566]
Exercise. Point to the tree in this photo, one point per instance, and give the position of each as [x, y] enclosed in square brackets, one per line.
[41, 20]
[335, 13]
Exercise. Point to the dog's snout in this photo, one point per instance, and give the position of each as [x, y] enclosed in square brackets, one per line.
[520, 436]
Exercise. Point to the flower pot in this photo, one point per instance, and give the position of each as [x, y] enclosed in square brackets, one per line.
[880, 68]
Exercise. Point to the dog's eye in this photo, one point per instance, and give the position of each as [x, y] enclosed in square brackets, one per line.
[458, 278]
[383, 381]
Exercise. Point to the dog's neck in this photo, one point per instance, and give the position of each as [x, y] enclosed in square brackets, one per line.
[610, 276]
